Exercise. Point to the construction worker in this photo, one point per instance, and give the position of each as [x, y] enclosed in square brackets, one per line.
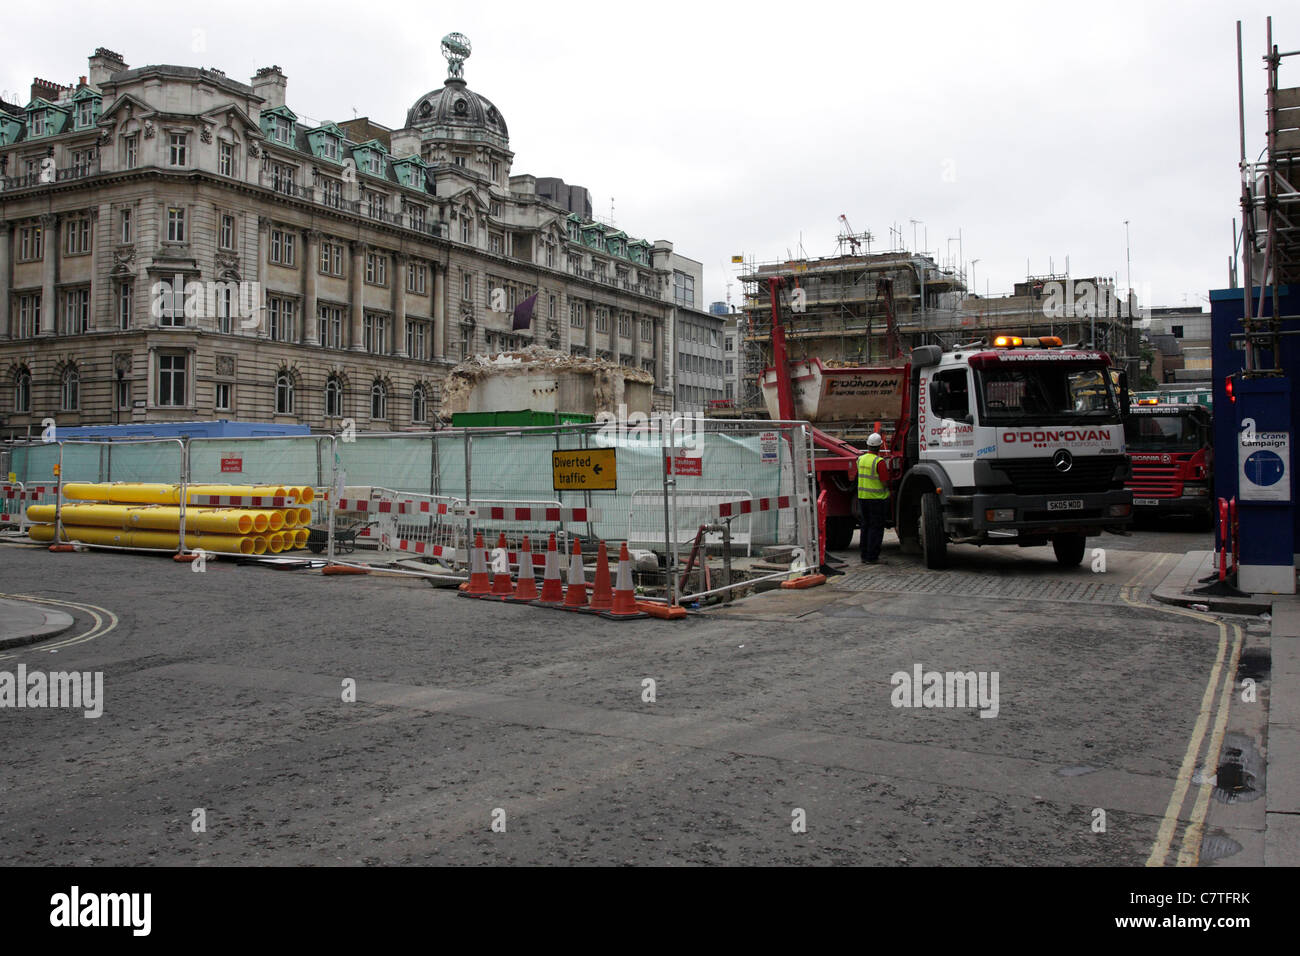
[873, 499]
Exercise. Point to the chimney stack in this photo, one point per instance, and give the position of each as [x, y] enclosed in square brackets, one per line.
[269, 84]
[103, 64]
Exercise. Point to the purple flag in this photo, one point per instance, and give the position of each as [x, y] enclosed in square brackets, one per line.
[524, 313]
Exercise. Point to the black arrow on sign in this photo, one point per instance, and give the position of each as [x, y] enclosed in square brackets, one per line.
[597, 469]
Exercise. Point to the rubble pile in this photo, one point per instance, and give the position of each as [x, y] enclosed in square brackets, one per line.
[607, 377]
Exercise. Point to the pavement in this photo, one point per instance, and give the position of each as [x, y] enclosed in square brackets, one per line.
[25, 622]
[1192, 584]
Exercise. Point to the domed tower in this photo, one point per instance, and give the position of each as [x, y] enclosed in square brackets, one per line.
[457, 126]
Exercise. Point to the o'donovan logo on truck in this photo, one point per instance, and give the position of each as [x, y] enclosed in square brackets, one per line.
[1085, 437]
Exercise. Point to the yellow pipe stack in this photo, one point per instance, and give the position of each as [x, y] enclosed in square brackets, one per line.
[144, 515]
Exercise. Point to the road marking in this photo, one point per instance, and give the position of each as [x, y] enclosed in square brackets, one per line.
[105, 620]
[1189, 854]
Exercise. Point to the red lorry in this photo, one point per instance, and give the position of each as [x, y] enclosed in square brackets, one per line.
[1171, 448]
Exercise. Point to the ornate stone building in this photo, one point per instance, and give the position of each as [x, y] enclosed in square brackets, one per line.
[176, 245]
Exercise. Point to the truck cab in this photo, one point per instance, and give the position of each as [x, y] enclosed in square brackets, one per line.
[1021, 443]
[1171, 450]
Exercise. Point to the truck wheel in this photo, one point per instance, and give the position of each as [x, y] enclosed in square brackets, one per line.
[934, 543]
[839, 533]
[1069, 549]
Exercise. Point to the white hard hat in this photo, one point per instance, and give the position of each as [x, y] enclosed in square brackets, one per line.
[875, 440]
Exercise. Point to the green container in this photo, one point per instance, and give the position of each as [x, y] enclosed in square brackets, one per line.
[519, 419]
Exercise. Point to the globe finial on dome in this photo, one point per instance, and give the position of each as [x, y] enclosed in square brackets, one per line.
[456, 48]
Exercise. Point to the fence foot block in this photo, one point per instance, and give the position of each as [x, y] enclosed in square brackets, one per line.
[343, 569]
[662, 611]
[807, 581]
[62, 548]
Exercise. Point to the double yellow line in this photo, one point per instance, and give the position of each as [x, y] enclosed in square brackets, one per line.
[1215, 703]
[104, 621]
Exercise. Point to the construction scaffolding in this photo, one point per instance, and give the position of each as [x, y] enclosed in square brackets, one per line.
[1270, 205]
[873, 309]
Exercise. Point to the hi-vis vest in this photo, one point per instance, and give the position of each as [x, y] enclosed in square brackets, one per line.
[870, 486]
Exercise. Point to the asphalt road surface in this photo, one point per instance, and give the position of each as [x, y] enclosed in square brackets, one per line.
[489, 733]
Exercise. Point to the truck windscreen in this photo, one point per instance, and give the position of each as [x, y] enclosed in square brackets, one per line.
[1050, 393]
[1161, 433]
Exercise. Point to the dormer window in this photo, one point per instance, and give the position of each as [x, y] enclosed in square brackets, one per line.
[329, 148]
[85, 113]
[375, 163]
[281, 129]
[36, 123]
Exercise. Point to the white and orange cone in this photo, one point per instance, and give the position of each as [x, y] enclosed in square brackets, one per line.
[552, 587]
[501, 580]
[602, 595]
[525, 587]
[478, 584]
[575, 597]
[624, 593]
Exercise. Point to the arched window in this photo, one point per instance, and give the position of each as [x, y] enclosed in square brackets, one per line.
[379, 401]
[23, 390]
[284, 394]
[419, 408]
[71, 391]
[333, 398]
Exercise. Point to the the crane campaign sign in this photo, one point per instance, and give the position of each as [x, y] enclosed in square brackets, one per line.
[1263, 464]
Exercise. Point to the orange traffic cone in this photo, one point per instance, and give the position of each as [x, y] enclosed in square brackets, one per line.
[478, 584]
[624, 594]
[501, 580]
[602, 595]
[552, 588]
[526, 587]
[575, 598]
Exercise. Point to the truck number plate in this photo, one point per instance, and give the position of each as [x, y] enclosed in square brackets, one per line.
[1145, 502]
[1067, 504]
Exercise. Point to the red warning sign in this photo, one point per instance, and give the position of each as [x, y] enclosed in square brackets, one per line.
[686, 467]
[232, 464]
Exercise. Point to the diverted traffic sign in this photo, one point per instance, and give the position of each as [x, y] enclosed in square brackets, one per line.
[594, 469]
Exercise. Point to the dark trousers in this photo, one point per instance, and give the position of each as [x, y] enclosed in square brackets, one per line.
[874, 512]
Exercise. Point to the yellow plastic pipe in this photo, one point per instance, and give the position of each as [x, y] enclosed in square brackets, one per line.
[300, 539]
[275, 542]
[259, 544]
[290, 518]
[148, 518]
[261, 520]
[241, 490]
[156, 540]
[123, 492]
[197, 521]
[304, 516]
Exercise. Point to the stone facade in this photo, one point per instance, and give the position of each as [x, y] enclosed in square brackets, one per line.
[176, 245]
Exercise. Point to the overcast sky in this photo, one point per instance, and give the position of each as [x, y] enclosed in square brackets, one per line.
[1035, 129]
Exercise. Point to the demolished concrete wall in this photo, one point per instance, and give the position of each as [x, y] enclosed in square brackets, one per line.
[544, 380]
